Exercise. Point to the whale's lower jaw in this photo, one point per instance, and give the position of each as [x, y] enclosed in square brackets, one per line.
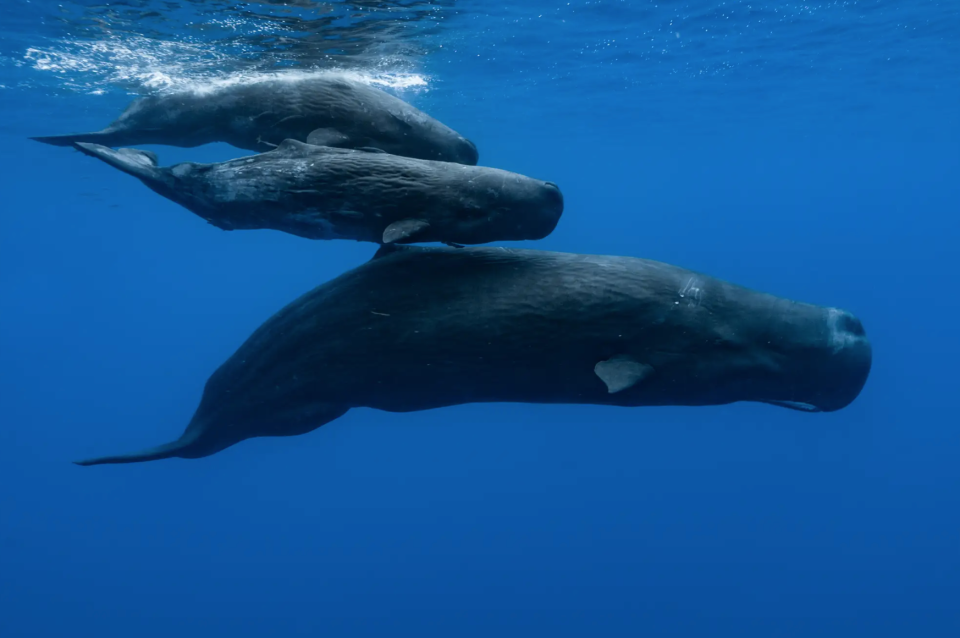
[795, 405]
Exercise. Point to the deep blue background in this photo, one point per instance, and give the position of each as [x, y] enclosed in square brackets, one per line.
[742, 520]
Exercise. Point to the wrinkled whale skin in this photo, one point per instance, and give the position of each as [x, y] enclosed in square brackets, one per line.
[319, 192]
[419, 328]
[326, 109]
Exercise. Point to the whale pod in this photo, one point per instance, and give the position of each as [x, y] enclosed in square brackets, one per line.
[324, 109]
[319, 192]
[499, 325]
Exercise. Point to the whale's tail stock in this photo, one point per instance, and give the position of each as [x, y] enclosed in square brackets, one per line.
[184, 447]
[209, 433]
[105, 137]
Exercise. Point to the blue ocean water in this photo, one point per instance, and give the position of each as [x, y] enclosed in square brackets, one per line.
[810, 150]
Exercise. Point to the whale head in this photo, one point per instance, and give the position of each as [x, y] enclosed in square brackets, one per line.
[702, 341]
[827, 369]
[437, 141]
[793, 355]
[415, 134]
[497, 205]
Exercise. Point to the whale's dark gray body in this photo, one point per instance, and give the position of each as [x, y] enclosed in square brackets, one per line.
[328, 110]
[419, 328]
[320, 192]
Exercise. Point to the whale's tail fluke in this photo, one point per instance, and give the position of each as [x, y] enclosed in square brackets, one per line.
[141, 164]
[181, 448]
[98, 137]
[205, 437]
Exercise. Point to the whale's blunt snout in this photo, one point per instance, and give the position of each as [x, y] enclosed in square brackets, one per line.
[831, 366]
[553, 207]
[468, 152]
[851, 357]
[545, 211]
[839, 370]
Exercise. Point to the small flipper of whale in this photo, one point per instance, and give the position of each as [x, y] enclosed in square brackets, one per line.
[403, 230]
[621, 372]
[327, 137]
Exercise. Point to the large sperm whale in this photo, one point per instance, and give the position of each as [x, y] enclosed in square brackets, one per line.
[418, 328]
[324, 109]
[320, 192]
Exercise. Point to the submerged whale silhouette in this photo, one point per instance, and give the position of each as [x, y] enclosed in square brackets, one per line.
[327, 110]
[417, 328]
[320, 192]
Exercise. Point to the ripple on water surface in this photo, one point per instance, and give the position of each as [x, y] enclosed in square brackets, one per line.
[641, 58]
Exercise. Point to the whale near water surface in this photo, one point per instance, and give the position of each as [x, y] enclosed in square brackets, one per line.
[326, 109]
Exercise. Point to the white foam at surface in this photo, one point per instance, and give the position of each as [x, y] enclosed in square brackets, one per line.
[148, 65]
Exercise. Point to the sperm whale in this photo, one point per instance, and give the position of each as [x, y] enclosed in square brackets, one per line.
[418, 328]
[324, 109]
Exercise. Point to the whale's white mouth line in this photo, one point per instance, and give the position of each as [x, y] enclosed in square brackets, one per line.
[796, 405]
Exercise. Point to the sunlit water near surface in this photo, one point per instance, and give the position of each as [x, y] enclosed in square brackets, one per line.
[810, 150]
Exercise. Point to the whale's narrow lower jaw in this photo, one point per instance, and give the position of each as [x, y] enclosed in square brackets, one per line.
[795, 405]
